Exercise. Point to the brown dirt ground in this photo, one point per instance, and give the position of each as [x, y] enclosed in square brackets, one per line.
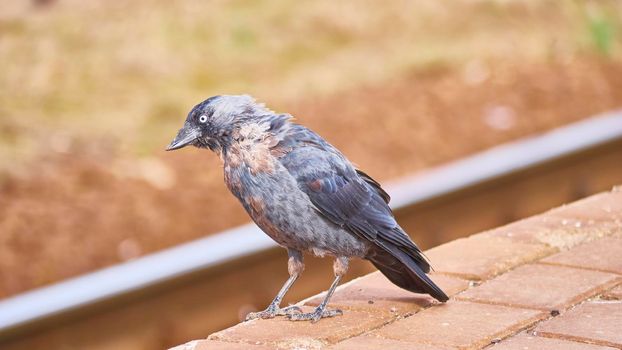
[87, 207]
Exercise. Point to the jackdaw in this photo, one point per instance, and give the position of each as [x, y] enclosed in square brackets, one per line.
[304, 194]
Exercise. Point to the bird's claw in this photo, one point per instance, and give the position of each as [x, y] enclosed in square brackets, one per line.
[314, 316]
[290, 310]
[273, 311]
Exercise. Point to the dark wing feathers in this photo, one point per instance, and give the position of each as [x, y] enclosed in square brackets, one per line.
[353, 200]
[373, 183]
[348, 197]
[406, 275]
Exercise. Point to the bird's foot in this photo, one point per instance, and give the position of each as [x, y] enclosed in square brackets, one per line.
[273, 311]
[314, 316]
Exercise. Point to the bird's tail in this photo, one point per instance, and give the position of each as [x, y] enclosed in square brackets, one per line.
[405, 271]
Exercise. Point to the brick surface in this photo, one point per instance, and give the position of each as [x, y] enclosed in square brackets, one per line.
[591, 322]
[481, 257]
[460, 324]
[282, 332]
[567, 226]
[603, 254]
[605, 208]
[375, 291]
[371, 342]
[521, 272]
[218, 345]
[528, 342]
[544, 287]
[559, 233]
[614, 293]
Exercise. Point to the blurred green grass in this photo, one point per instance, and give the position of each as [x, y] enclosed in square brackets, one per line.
[602, 26]
[128, 72]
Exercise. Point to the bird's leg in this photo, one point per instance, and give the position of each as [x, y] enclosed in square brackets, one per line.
[340, 267]
[295, 266]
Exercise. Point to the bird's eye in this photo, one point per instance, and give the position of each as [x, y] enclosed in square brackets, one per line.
[202, 119]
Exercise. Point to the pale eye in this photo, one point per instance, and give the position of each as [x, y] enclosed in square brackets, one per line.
[202, 119]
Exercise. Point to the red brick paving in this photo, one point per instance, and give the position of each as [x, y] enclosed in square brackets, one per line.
[219, 345]
[282, 332]
[614, 293]
[542, 287]
[604, 255]
[592, 322]
[603, 208]
[527, 342]
[518, 273]
[481, 257]
[589, 219]
[371, 342]
[374, 291]
[461, 324]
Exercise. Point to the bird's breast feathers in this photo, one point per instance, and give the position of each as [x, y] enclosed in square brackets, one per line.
[248, 160]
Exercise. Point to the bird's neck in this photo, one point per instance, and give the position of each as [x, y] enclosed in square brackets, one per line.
[251, 143]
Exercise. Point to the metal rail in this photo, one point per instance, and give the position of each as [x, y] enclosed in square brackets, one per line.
[39, 305]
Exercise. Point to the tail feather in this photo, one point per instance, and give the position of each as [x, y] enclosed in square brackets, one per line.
[404, 271]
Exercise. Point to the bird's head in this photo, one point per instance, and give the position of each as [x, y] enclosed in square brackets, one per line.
[211, 123]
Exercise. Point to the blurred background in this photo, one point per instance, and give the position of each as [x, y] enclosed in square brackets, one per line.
[91, 92]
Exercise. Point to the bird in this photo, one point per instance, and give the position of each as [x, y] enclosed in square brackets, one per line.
[305, 195]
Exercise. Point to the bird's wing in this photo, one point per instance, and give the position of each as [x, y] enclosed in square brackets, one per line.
[375, 185]
[345, 196]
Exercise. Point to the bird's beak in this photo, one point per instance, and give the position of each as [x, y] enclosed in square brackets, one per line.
[185, 136]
